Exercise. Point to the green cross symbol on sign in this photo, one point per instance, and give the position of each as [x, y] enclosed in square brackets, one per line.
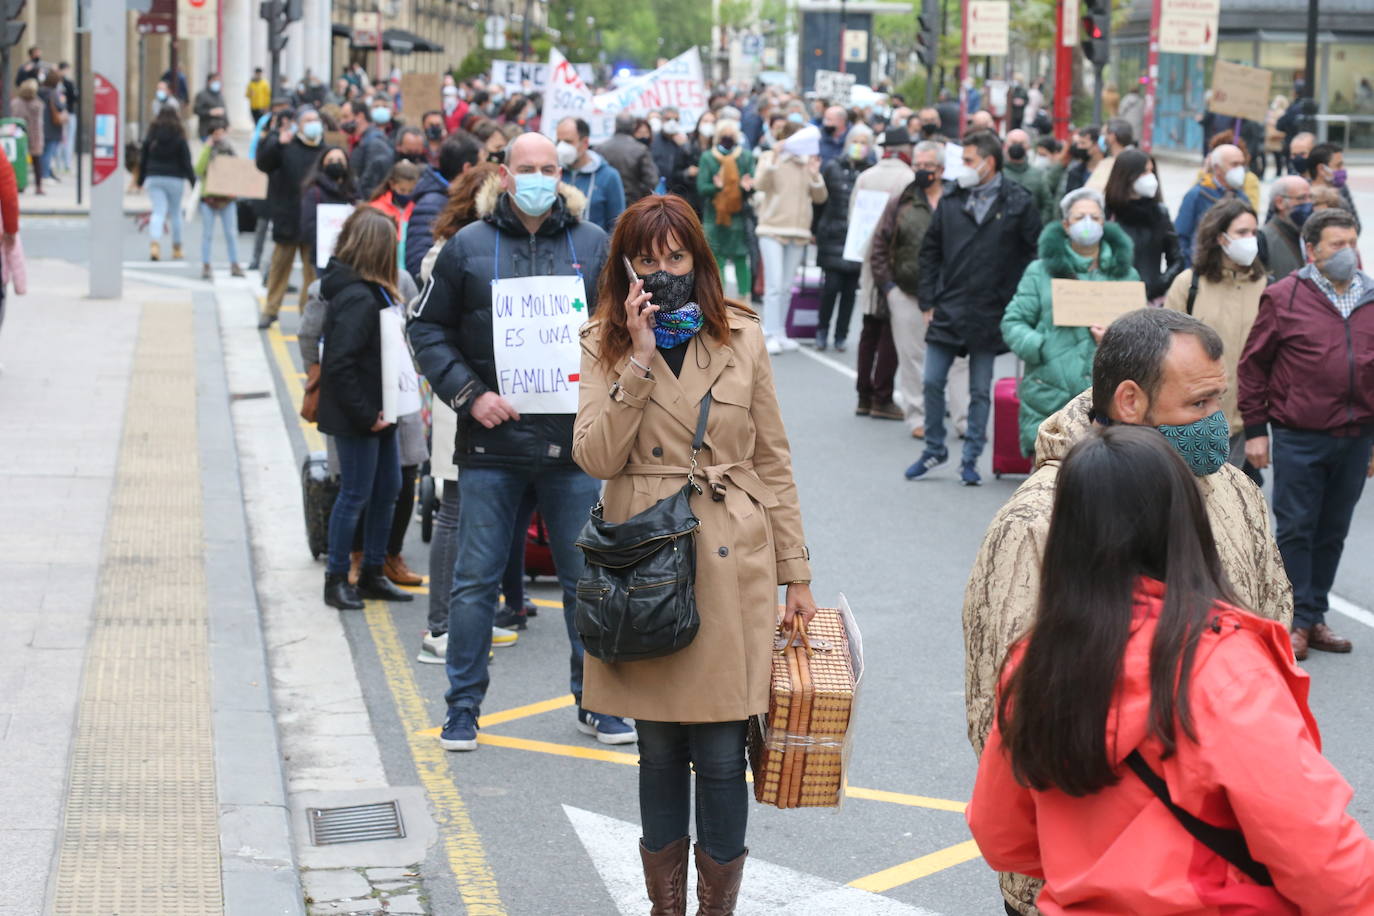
[578, 305]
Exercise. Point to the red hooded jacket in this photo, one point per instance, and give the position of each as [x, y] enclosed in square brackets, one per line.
[1256, 766]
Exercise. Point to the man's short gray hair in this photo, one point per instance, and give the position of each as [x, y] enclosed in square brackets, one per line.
[1074, 197]
[861, 132]
[930, 146]
[625, 122]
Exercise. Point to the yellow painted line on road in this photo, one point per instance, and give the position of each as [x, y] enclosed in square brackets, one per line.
[462, 845]
[515, 714]
[560, 750]
[897, 875]
[899, 798]
[314, 442]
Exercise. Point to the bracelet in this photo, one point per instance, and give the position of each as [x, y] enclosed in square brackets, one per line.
[638, 365]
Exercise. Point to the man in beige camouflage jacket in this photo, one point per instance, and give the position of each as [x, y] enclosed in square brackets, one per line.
[1154, 367]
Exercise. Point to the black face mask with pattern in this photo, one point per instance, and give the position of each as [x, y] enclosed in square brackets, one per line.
[670, 291]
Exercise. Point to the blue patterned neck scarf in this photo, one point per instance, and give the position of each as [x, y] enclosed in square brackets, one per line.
[672, 329]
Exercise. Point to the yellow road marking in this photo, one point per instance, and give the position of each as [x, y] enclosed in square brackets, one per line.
[899, 798]
[518, 712]
[897, 875]
[314, 442]
[462, 845]
[560, 750]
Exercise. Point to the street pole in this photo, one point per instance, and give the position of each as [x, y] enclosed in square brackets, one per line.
[944, 30]
[81, 26]
[1147, 123]
[844, 27]
[963, 67]
[109, 22]
[1310, 64]
[525, 32]
[1063, 77]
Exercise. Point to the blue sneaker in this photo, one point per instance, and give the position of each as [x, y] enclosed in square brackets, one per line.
[968, 475]
[460, 731]
[928, 462]
[606, 729]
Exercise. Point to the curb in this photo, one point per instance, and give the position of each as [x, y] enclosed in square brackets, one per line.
[260, 877]
[75, 211]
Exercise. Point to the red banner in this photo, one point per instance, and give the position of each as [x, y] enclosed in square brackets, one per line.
[105, 135]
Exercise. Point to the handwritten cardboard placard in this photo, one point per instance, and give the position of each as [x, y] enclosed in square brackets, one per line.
[232, 176]
[421, 92]
[329, 220]
[1084, 303]
[1239, 91]
[863, 219]
[534, 325]
[336, 138]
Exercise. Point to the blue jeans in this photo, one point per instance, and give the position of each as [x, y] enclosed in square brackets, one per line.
[50, 148]
[668, 753]
[1318, 479]
[488, 502]
[369, 478]
[227, 216]
[939, 358]
[165, 193]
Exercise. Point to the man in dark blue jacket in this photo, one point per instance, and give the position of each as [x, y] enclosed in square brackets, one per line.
[527, 230]
[373, 156]
[458, 154]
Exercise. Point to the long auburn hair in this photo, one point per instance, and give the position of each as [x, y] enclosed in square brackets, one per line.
[367, 243]
[461, 207]
[1125, 506]
[648, 224]
[1207, 251]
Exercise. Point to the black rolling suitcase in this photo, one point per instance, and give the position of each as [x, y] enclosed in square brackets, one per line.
[318, 492]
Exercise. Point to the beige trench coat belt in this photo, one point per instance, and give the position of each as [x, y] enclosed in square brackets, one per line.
[739, 473]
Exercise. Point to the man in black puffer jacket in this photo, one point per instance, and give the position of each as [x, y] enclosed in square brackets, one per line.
[532, 228]
[288, 157]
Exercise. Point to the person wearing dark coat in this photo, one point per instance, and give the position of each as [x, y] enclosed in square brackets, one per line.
[671, 158]
[458, 153]
[1136, 204]
[841, 276]
[164, 164]
[986, 221]
[330, 182]
[287, 157]
[209, 105]
[373, 156]
[359, 284]
[631, 159]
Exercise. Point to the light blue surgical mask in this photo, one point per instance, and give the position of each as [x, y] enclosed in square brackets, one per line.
[534, 194]
[312, 130]
[1203, 445]
[381, 115]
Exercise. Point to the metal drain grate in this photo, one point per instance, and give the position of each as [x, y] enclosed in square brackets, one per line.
[356, 823]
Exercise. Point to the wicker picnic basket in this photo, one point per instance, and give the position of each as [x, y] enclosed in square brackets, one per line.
[798, 750]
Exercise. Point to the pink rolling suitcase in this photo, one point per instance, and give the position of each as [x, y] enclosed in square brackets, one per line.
[1006, 430]
[804, 310]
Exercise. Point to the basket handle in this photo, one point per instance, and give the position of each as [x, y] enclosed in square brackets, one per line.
[796, 634]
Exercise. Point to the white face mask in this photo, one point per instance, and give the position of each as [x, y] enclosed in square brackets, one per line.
[969, 178]
[567, 154]
[1242, 251]
[671, 127]
[1086, 231]
[1235, 177]
[1147, 186]
[707, 130]
[655, 125]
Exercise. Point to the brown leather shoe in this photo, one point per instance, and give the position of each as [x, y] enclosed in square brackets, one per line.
[887, 410]
[1323, 640]
[718, 885]
[355, 566]
[397, 571]
[1299, 639]
[665, 878]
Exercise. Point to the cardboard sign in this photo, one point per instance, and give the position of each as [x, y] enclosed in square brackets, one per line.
[834, 86]
[534, 324]
[336, 138]
[1239, 91]
[1189, 26]
[421, 92]
[1084, 303]
[329, 220]
[863, 219]
[234, 176]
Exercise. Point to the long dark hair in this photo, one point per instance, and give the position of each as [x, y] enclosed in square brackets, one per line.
[1129, 165]
[1125, 506]
[1207, 253]
[167, 126]
[648, 223]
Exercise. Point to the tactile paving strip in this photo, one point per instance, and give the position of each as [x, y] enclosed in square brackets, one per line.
[141, 836]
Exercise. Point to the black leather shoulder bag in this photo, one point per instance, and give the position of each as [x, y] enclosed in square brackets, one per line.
[637, 599]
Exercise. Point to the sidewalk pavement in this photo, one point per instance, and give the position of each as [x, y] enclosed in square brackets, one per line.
[59, 197]
[140, 771]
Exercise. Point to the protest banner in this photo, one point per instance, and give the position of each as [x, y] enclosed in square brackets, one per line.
[329, 220]
[534, 325]
[834, 86]
[1239, 91]
[1084, 303]
[863, 219]
[232, 176]
[678, 84]
[530, 76]
[566, 96]
[421, 92]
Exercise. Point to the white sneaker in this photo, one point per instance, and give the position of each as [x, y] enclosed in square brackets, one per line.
[433, 649]
[501, 637]
[771, 343]
[788, 345]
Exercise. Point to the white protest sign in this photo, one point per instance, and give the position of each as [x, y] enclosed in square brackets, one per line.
[678, 84]
[1189, 26]
[400, 384]
[805, 142]
[954, 161]
[863, 219]
[534, 324]
[834, 86]
[329, 220]
[530, 76]
[566, 96]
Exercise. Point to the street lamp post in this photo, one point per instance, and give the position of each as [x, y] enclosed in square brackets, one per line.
[844, 27]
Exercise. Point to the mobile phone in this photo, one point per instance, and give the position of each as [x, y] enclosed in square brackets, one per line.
[630, 270]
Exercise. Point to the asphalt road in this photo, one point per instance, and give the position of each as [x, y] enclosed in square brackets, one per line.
[899, 551]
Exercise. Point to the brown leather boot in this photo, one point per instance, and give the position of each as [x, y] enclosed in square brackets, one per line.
[665, 878]
[397, 571]
[355, 566]
[718, 885]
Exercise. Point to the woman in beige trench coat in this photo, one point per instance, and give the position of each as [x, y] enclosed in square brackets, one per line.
[657, 346]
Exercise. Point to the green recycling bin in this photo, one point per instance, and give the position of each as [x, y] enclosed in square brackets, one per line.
[14, 140]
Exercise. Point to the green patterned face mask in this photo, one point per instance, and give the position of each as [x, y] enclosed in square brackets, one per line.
[1204, 445]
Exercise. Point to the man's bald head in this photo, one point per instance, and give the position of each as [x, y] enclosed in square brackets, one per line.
[980, 120]
[1018, 136]
[1302, 144]
[836, 118]
[529, 154]
[1226, 157]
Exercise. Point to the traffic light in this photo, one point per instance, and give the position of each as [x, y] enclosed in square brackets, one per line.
[1095, 31]
[13, 31]
[928, 34]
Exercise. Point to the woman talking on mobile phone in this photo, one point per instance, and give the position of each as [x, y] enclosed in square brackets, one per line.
[658, 345]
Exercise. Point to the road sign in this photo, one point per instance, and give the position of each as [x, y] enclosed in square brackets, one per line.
[1068, 35]
[1240, 92]
[855, 46]
[1189, 26]
[367, 29]
[105, 142]
[751, 44]
[494, 38]
[196, 18]
[989, 27]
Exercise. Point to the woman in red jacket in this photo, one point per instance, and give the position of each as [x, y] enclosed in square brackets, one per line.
[1141, 685]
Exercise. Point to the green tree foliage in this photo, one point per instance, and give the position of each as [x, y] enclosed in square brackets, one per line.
[639, 31]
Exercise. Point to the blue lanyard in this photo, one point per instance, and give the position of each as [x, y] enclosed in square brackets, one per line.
[496, 258]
